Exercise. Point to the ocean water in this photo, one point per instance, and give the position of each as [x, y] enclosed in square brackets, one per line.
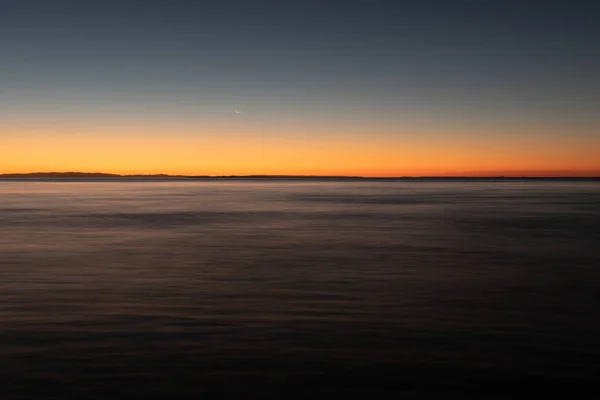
[259, 288]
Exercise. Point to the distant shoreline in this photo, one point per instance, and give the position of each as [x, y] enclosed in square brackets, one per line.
[101, 176]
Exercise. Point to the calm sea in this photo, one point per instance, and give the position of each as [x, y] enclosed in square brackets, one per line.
[259, 288]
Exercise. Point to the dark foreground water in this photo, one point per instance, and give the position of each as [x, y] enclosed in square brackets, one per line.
[257, 289]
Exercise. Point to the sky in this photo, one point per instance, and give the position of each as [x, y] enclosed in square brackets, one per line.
[371, 88]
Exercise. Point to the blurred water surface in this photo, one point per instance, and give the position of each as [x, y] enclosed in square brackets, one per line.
[163, 287]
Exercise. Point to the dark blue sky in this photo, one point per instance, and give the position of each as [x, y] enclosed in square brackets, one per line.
[382, 62]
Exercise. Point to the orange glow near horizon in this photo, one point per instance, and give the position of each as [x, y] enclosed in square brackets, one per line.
[143, 151]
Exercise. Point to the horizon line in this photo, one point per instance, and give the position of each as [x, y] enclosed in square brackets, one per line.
[74, 174]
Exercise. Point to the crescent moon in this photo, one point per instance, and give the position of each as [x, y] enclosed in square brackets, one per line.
[236, 111]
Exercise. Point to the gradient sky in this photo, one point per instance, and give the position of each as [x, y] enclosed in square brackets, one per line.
[374, 88]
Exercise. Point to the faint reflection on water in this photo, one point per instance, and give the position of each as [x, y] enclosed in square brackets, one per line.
[155, 287]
